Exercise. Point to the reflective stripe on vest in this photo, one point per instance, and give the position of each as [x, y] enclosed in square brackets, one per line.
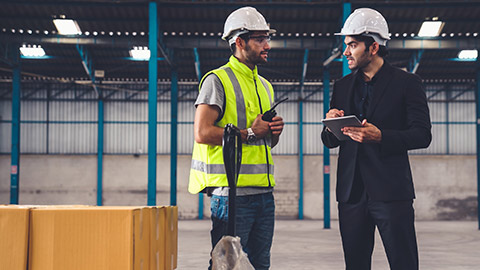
[241, 114]
[265, 84]
[220, 168]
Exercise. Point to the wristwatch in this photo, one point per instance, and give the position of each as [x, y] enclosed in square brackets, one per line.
[251, 137]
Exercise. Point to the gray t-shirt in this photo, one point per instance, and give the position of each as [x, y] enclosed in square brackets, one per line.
[212, 93]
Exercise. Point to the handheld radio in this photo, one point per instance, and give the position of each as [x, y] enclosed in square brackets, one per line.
[268, 115]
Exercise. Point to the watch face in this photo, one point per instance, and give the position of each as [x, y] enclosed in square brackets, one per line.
[251, 138]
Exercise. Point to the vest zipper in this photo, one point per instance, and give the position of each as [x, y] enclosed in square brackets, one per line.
[264, 140]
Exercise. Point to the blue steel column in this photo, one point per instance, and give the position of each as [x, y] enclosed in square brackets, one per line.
[199, 75]
[100, 148]
[173, 137]
[447, 119]
[414, 61]
[300, 136]
[478, 140]
[326, 153]
[152, 104]
[15, 154]
[347, 9]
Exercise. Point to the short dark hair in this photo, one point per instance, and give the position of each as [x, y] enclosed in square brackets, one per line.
[368, 40]
[233, 46]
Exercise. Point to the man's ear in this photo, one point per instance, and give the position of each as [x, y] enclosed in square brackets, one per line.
[240, 42]
[374, 48]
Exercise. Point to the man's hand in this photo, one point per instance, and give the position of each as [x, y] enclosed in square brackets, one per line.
[276, 126]
[368, 133]
[260, 127]
[332, 113]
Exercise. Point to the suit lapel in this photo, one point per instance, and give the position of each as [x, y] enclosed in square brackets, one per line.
[380, 87]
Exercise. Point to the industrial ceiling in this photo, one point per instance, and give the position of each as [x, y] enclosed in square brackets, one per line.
[189, 35]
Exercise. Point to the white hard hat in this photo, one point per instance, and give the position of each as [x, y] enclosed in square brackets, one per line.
[366, 22]
[242, 21]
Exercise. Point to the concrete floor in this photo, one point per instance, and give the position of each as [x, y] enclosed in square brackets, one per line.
[304, 245]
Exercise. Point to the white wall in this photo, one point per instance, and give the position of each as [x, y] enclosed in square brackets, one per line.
[445, 185]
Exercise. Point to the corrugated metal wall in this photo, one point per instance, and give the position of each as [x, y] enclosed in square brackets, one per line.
[5, 126]
[66, 125]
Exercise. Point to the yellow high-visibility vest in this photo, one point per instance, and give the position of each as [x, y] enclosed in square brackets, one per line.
[244, 88]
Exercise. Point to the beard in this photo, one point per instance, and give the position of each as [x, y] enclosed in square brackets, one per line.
[362, 61]
[254, 57]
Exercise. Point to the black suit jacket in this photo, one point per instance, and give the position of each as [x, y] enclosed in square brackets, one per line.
[399, 109]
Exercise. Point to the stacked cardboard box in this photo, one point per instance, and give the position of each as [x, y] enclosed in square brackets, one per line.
[14, 222]
[82, 237]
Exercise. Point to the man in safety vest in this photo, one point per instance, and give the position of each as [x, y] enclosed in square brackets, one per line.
[235, 93]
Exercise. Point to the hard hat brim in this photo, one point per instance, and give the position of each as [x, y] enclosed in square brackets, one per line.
[243, 31]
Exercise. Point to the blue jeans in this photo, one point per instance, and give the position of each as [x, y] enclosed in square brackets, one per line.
[255, 219]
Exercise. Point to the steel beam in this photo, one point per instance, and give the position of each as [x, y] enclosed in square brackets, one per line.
[478, 140]
[87, 63]
[173, 138]
[300, 135]
[152, 105]
[199, 76]
[414, 61]
[15, 153]
[278, 42]
[197, 64]
[100, 133]
[347, 9]
[326, 153]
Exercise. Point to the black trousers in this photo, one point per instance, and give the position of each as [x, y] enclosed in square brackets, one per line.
[395, 222]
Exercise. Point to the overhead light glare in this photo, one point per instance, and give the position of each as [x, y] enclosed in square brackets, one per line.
[140, 53]
[67, 27]
[430, 29]
[468, 54]
[32, 51]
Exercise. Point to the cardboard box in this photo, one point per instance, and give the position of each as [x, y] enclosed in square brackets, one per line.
[14, 222]
[171, 233]
[93, 238]
[157, 237]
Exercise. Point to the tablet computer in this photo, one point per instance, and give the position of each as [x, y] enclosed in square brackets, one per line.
[336, 124]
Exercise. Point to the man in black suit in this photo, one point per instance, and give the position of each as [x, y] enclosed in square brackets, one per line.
[374, 180]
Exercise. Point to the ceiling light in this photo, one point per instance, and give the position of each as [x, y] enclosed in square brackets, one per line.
[32, 51]
[67, 27]
[430, 29]
[468, 54]
[140, 53]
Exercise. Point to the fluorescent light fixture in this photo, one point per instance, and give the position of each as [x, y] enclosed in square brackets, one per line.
[32, 51]
[140, 53]
[67, 27]
[468, 54]
[430, 29]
